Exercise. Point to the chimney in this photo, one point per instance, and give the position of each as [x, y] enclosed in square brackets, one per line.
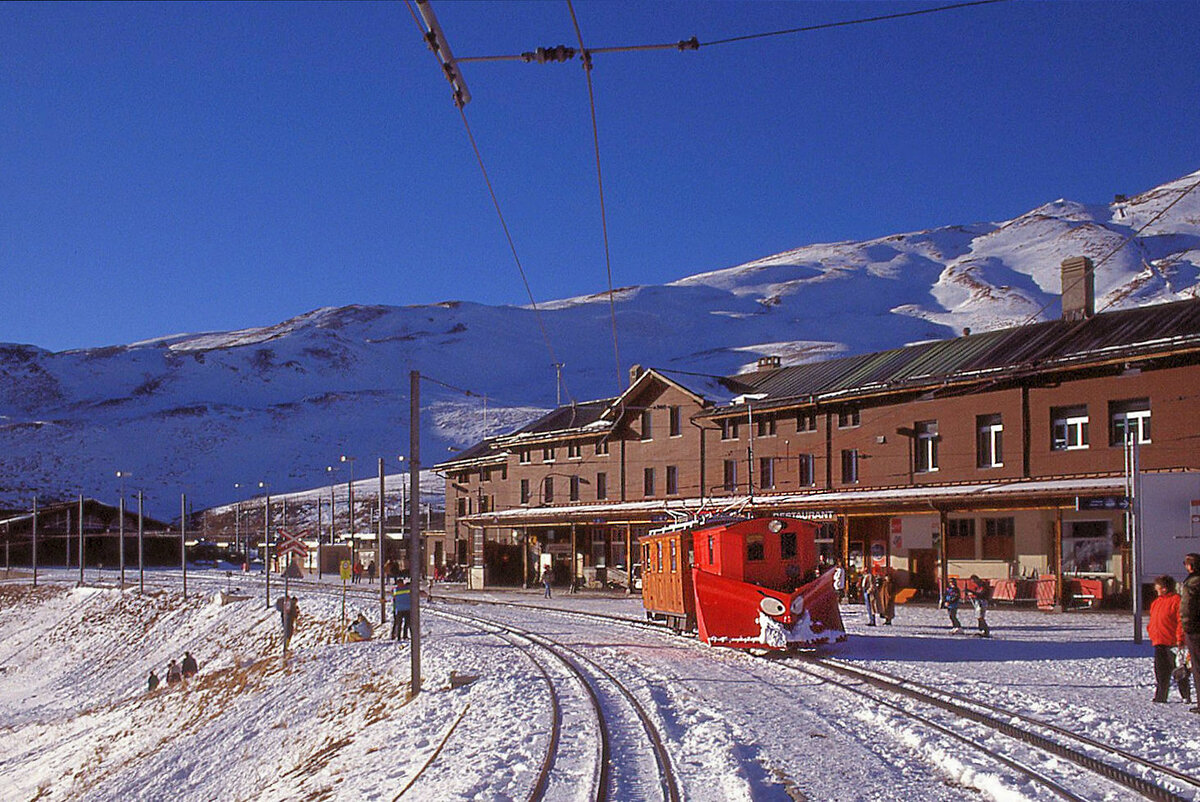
[769, 362]
[635, 373]
[1078, 288]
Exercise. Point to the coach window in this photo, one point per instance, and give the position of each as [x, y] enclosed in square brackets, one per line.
[754, 548]
[674, 557]
[787, 545]
[658, 556]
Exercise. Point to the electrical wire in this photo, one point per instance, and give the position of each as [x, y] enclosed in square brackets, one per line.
[499, 212]
[612, 306]
[694, 44]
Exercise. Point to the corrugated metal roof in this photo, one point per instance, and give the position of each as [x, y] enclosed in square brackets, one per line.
[572, 416]
[1129, 332]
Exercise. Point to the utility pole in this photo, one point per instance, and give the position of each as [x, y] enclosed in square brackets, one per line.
[267, 542]
[34, 555]
[1133, 517]
[81, 552]
[414, 543]
[121, 536]
[558, 366]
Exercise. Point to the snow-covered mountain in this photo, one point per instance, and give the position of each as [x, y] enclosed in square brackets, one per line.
[199, 413]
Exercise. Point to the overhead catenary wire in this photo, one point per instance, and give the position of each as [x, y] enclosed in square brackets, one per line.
[460, 103]
[612, 306]
[561, 54]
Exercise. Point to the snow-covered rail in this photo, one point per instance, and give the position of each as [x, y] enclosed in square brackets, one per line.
[1152, 781]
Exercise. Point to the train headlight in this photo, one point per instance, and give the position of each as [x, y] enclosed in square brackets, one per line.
[775, 526]
[772, 606]
[798, 605]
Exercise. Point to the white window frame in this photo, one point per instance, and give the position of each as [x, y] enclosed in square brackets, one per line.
[926, 446]
[1131, 420]
[989, 442]
[1069, 429]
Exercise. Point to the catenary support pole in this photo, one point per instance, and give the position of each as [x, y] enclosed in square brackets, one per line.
[183, 540]
[33, 557]
[121, 536]
[267, 546]
[67, 538]
[141, 547]
[379, 555]
[319, 538]
[414, 543]
[82, 553]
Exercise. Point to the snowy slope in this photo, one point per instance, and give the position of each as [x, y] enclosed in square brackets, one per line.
[197, 413]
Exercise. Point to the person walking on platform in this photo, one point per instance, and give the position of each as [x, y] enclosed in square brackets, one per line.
[951, 598]
[977, 594]
[547, 579]
[867, 588]
[839, 581]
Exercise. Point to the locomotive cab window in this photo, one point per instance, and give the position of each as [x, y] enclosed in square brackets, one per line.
[787, 545]
[710, 549]
[754, 548]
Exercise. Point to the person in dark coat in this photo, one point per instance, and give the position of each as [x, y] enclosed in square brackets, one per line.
[401, 611]
[1166, 634]
[977, 593]
[371, 571]
[885, 598]
[174, 674]
[189, 666]
[289, 611]
[1189, 616]
[152, 681]
[547, 579]
[867, 588]
[950, 600]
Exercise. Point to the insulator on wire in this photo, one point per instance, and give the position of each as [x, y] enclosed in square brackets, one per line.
[559, 53]
[689, 44]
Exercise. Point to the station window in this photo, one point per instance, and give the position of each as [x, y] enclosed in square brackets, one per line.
[806, 422]
[730, 475]
[602, 447]
[960, 539]
[675, 420]
[848, 418]
[648, 482]
[729, 429]
[926, 453]
[1068, 428]
[805, 470]
[523, 456]
[672, 480]
[999, 539]
[574, 488]
[601, 486]
[766, 473]
[548, 489]
[461, 507]
[548, 454]
[647, 427]
[766, 427]
[754, 548]
[849, 466]
[524, 491]
[574, 450]
[1130, 421]
[989, 441]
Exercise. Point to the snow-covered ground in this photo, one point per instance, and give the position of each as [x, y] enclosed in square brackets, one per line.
[332, 721]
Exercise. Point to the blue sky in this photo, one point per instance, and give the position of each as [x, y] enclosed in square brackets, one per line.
[193, 167]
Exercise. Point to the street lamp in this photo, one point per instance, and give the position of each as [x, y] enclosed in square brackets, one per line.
[267, 539]
[350, 503]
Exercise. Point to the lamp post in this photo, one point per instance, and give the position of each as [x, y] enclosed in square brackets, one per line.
[141, 548]
[237, 524]
[267, 539]
[350, 504]
[122, 475]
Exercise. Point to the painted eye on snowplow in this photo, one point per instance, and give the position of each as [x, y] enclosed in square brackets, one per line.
[772, 606]
[798, 605]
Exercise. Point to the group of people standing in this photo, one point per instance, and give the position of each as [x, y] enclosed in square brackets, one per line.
[1174, 629]
[977, 593]
[876, 589]
[177, 672]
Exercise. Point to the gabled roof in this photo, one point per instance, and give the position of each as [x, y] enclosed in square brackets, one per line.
[571, 417]
[1125, 334]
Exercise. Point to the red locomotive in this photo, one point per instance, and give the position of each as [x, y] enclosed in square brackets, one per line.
[744, 584]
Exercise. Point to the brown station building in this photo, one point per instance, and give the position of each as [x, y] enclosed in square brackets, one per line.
[1011, 454]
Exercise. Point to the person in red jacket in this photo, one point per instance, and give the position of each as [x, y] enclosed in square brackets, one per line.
[1166, 633]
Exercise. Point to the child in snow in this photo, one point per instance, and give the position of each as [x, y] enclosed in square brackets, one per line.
[950, 599]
